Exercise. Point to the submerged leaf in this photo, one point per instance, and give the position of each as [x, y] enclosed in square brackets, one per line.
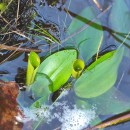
[41, 86]
[119, 19]
[41, 101]
[111, 102]
[101, 78]
[87, 41]
[120, 23]
[58, 67]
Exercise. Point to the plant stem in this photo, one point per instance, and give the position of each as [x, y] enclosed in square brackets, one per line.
[13, 48]
[112, 121]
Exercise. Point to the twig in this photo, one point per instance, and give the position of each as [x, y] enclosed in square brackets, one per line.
[17, 15]
[98, 49]
[112, 121]
[23, 35]
[4, 19]
[10, 55]
[13, 48]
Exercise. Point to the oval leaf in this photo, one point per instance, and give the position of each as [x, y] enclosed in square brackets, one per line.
[99, 79]
[58, 67]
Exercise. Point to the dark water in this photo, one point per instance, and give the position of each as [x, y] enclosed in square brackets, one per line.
[52, 16]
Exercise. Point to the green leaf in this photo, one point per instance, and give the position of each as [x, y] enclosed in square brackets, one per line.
[101, 78]
[88, 40]
[33, 64]
[78, 67]
[41, 89]
[42, 85]
[58, 67]
[101, 59]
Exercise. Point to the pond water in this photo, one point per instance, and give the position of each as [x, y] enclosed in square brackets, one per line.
[70, 111]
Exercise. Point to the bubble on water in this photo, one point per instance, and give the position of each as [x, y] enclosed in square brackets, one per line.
[35, 114]
[76, 119]
[70, 118]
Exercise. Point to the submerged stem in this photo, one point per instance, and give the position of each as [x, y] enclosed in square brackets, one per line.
[123, 117]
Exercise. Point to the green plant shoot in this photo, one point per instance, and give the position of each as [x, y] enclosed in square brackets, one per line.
[78, 67]
[33, 64]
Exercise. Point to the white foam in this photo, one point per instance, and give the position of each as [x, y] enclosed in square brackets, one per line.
[76, 119]
[35, 114]
[70, 118]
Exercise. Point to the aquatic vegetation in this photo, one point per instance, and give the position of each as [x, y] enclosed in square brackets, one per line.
[91, 79]
[43, 34]
[67, 83]
[33, 64]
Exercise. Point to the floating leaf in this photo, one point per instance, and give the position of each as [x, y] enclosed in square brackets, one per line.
[33, 64]
[88, 40]
[58, 67]
[99, 79]
[78, 67]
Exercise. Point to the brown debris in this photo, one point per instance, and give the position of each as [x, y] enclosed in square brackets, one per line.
[9, 106]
